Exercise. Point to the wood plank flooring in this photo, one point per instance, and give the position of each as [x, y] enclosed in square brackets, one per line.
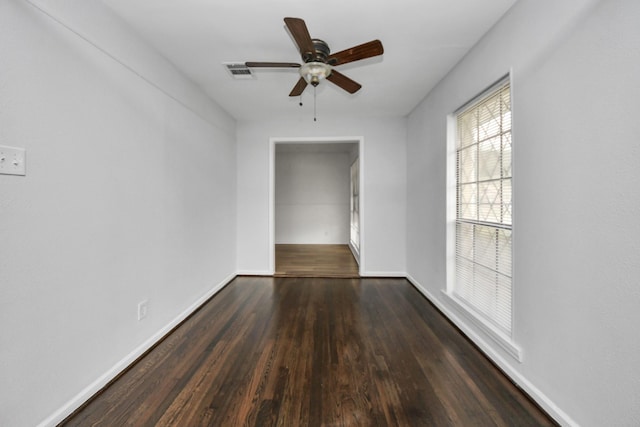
[313, 352]
[315, 261]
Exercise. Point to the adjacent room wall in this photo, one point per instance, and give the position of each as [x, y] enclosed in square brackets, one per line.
[575, 90]
[312, 195]
[383, 159]
[129, 196]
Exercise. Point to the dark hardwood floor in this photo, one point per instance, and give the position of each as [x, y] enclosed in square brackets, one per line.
[315, 261]
[313, 352]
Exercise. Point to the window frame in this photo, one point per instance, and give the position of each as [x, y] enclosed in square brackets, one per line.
[501, 336]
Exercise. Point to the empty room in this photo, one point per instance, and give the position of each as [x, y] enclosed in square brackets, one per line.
[279, 212]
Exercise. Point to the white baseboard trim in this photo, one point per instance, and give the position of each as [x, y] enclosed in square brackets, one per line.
[354, 252]
[540, 398]
[383, 274]
[79, 399]
[254, 273]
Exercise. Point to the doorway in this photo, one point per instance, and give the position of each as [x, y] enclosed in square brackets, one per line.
[312, 204]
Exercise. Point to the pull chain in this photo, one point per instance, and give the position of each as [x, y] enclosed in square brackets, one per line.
[314, 104]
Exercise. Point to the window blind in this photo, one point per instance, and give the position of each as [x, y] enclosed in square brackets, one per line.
[483, 206]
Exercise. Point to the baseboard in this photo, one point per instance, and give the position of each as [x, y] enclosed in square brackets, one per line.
[254, 273]
[79, 399]
[354, 252]
[383, 274]
[540, 398]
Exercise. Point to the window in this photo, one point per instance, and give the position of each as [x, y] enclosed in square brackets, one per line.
[483, 223]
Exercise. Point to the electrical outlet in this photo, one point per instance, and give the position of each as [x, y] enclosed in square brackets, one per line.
[12, 161]
[142, 309]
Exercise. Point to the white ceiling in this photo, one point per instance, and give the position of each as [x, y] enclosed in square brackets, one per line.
[422, 39]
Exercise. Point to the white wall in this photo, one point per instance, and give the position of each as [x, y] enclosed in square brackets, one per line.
[575, 86]
[312, 196]
[129, 195]
[383, 159]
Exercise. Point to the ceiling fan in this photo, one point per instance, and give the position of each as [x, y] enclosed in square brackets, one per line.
[318, 61]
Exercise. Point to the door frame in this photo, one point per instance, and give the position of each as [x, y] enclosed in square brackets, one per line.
[359, 140]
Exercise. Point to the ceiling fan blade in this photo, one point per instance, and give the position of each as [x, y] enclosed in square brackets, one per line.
[299, 87]
[300, 33]
[344, 82]
[272, 65]
[356, 53]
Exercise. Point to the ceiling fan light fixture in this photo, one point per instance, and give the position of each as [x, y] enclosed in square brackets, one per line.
[314, 72]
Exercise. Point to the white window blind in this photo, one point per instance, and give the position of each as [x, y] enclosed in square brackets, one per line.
[483, 206]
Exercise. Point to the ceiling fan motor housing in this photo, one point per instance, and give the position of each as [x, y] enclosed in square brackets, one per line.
[320, 55]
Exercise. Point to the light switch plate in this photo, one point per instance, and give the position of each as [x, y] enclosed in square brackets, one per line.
[12, 161]
[143, 308]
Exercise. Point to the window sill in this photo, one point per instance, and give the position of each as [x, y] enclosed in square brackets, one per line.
[504, 341]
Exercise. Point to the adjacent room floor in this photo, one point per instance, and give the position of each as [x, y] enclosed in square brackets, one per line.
[315, 261]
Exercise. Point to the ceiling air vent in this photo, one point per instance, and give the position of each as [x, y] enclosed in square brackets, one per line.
[238, 70]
